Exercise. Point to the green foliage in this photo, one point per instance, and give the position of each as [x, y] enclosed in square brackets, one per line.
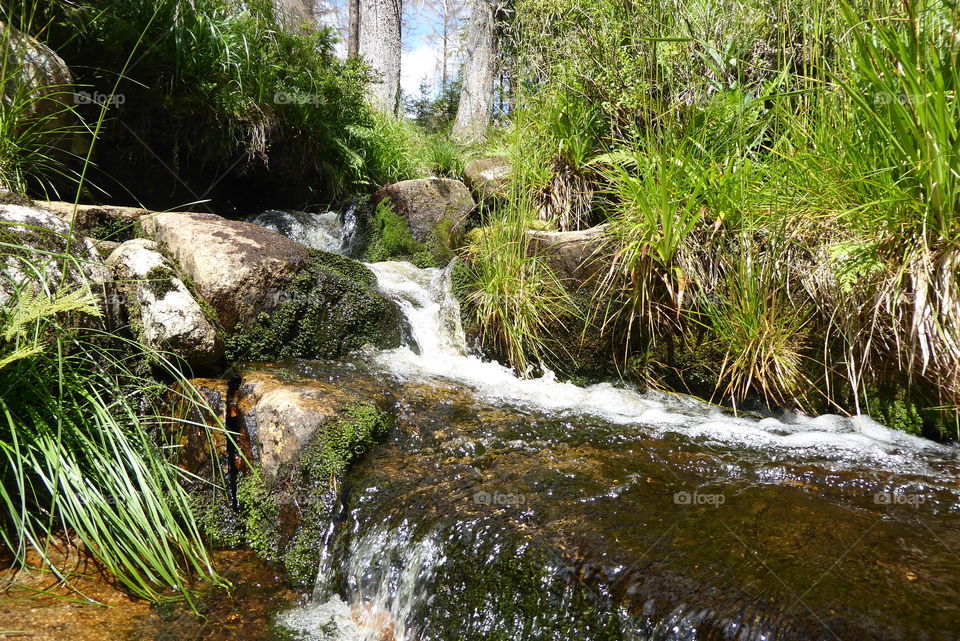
[780, 183]
[443, 158]
[223, 91]
[386, 151]
[513, 294]
[759, 330]
[77, 430]
[435, 113]
[332, 309]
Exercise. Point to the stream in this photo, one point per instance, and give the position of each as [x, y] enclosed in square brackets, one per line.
[526, 510]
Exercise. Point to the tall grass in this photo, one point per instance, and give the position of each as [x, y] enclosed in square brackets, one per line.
[512, 293]
[81, 438]
[780, 181]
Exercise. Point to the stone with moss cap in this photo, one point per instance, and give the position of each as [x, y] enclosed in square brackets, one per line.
[331, 308]
[428, 202]
[303, 434]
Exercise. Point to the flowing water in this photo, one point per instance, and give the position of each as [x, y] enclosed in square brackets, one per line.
[512, 509]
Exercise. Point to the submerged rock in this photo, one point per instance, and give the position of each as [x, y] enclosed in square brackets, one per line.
[161, 310]
[488, 178]
[429, 202]
[242, 270]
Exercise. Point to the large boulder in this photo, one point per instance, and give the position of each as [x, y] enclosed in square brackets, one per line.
[577, 257]
[44, 84]
[428, 203]
[160, 308]
[41, 253]
[242, 270]
[488, 178]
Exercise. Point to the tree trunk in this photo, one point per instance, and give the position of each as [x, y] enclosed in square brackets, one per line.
[476, 98]
[353, 31]
[380, 47]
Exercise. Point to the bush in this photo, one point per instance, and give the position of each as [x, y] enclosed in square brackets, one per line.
[218, 100]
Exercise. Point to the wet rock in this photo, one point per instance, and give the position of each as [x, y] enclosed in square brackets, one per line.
[280, 416]
[330, 309]
[242, 270]
[198, 410]
[488, 178]
[428, 203]
[575, 256]
[161, 310]
[41, 242]
[304, 434]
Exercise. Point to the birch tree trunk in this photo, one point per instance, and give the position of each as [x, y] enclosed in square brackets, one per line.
[476, 97]
[380, 47]
[353, 31]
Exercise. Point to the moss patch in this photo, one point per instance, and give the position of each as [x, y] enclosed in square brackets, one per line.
[332, 309]
[159, 281]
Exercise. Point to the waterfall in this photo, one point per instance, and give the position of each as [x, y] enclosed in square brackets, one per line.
[497, 490]
[316, 231]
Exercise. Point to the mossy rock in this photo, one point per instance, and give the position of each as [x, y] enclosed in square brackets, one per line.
[331, 309]
[389, 237]
[285, 518]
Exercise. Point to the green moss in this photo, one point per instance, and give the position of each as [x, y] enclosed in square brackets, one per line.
[159, 281]
[333, 308]
[389, 238]
[215, 517]
[260, 515]
[389, 235]
[111, 227]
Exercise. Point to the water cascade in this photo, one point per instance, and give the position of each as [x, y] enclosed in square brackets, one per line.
[512, 509]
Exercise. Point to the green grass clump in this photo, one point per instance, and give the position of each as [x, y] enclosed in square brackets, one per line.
[78, 436]
[513, 294]
[780, 183]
